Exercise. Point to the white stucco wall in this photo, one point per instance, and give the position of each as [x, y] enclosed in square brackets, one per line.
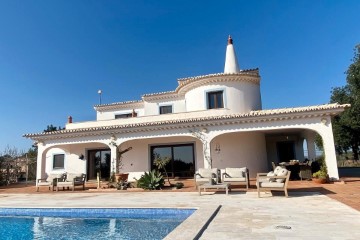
[153, 108]
[108, 115]
[239, 97]
[72, 163]
[246, 149]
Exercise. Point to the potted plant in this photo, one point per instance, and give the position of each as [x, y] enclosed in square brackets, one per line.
[118, 175]
[119, 164]
[320, 176]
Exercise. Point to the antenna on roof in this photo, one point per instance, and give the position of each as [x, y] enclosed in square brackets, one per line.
[99, 92]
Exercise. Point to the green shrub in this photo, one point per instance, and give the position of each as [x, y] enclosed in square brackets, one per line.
[322, 173]
[179, 185]
[151, 180]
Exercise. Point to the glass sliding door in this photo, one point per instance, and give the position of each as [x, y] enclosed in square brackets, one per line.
[182, 160]
[99, 161]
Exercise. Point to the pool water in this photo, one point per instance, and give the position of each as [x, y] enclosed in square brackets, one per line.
[90, 223]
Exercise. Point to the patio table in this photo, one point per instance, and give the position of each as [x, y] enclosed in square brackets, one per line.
[205, 186]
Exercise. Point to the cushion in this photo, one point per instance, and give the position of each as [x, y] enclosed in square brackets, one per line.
[277, 170]
[234, 179]
[271, 184]
[235, 172]
[205, 173]
[52, 176]
[71, 176]
[282, 173]
[271, 174]
[48, 183]
[208, 173]
[64, 184]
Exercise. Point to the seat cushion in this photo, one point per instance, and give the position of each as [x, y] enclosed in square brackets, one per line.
[226, 179]
[283, 172]
[64, 184]
[271, 184]
[44, 183]
[202, 180]
[235, 172]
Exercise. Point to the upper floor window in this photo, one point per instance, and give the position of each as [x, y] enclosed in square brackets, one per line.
[59, 161]
[165, 109]
[215, 99]
[126, 115]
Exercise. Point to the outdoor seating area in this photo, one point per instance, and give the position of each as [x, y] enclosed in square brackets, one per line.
[72, 180]
[50, 181]
[221, 178]
[54, 181]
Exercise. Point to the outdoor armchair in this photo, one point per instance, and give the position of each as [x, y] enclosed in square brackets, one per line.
[203, 175]
[236, 176]
[277, 180]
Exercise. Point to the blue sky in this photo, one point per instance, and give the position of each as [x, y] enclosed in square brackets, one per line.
[56, 55]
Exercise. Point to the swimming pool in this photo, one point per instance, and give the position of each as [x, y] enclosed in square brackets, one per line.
[90, 223]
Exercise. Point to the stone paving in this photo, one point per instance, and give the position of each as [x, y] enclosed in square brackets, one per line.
[308, 214]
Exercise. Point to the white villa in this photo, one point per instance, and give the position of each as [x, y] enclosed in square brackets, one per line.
[214, 120]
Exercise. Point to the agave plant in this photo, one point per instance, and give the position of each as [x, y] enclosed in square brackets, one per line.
[151, 180]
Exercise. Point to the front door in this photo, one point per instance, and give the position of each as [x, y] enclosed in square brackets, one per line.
[286, 151]
[99, 161]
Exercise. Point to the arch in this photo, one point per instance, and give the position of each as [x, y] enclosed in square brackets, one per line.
[72, 160]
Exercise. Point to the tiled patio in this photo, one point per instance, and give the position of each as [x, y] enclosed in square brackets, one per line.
[346, 191]
[306, 214]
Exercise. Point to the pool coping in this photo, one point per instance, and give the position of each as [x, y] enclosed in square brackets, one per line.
[195, 224]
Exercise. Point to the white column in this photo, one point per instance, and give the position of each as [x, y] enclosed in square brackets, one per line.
[40, 162]
[310, 140]
[207, 155]
[329, 148]
[113, 158]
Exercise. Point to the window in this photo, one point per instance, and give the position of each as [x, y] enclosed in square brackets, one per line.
[165, 109]
[182, 159]
[58, 161]
[126, 115]
[215, 99]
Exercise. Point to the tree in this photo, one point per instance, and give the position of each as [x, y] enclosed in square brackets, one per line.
[51, 128]
[161, 163]
[346, 126]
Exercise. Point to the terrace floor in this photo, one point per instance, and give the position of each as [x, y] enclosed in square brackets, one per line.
[328, 211]
[346, 191]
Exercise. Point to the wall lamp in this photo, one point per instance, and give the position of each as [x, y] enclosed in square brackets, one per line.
[217, 148]
[81, 156]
